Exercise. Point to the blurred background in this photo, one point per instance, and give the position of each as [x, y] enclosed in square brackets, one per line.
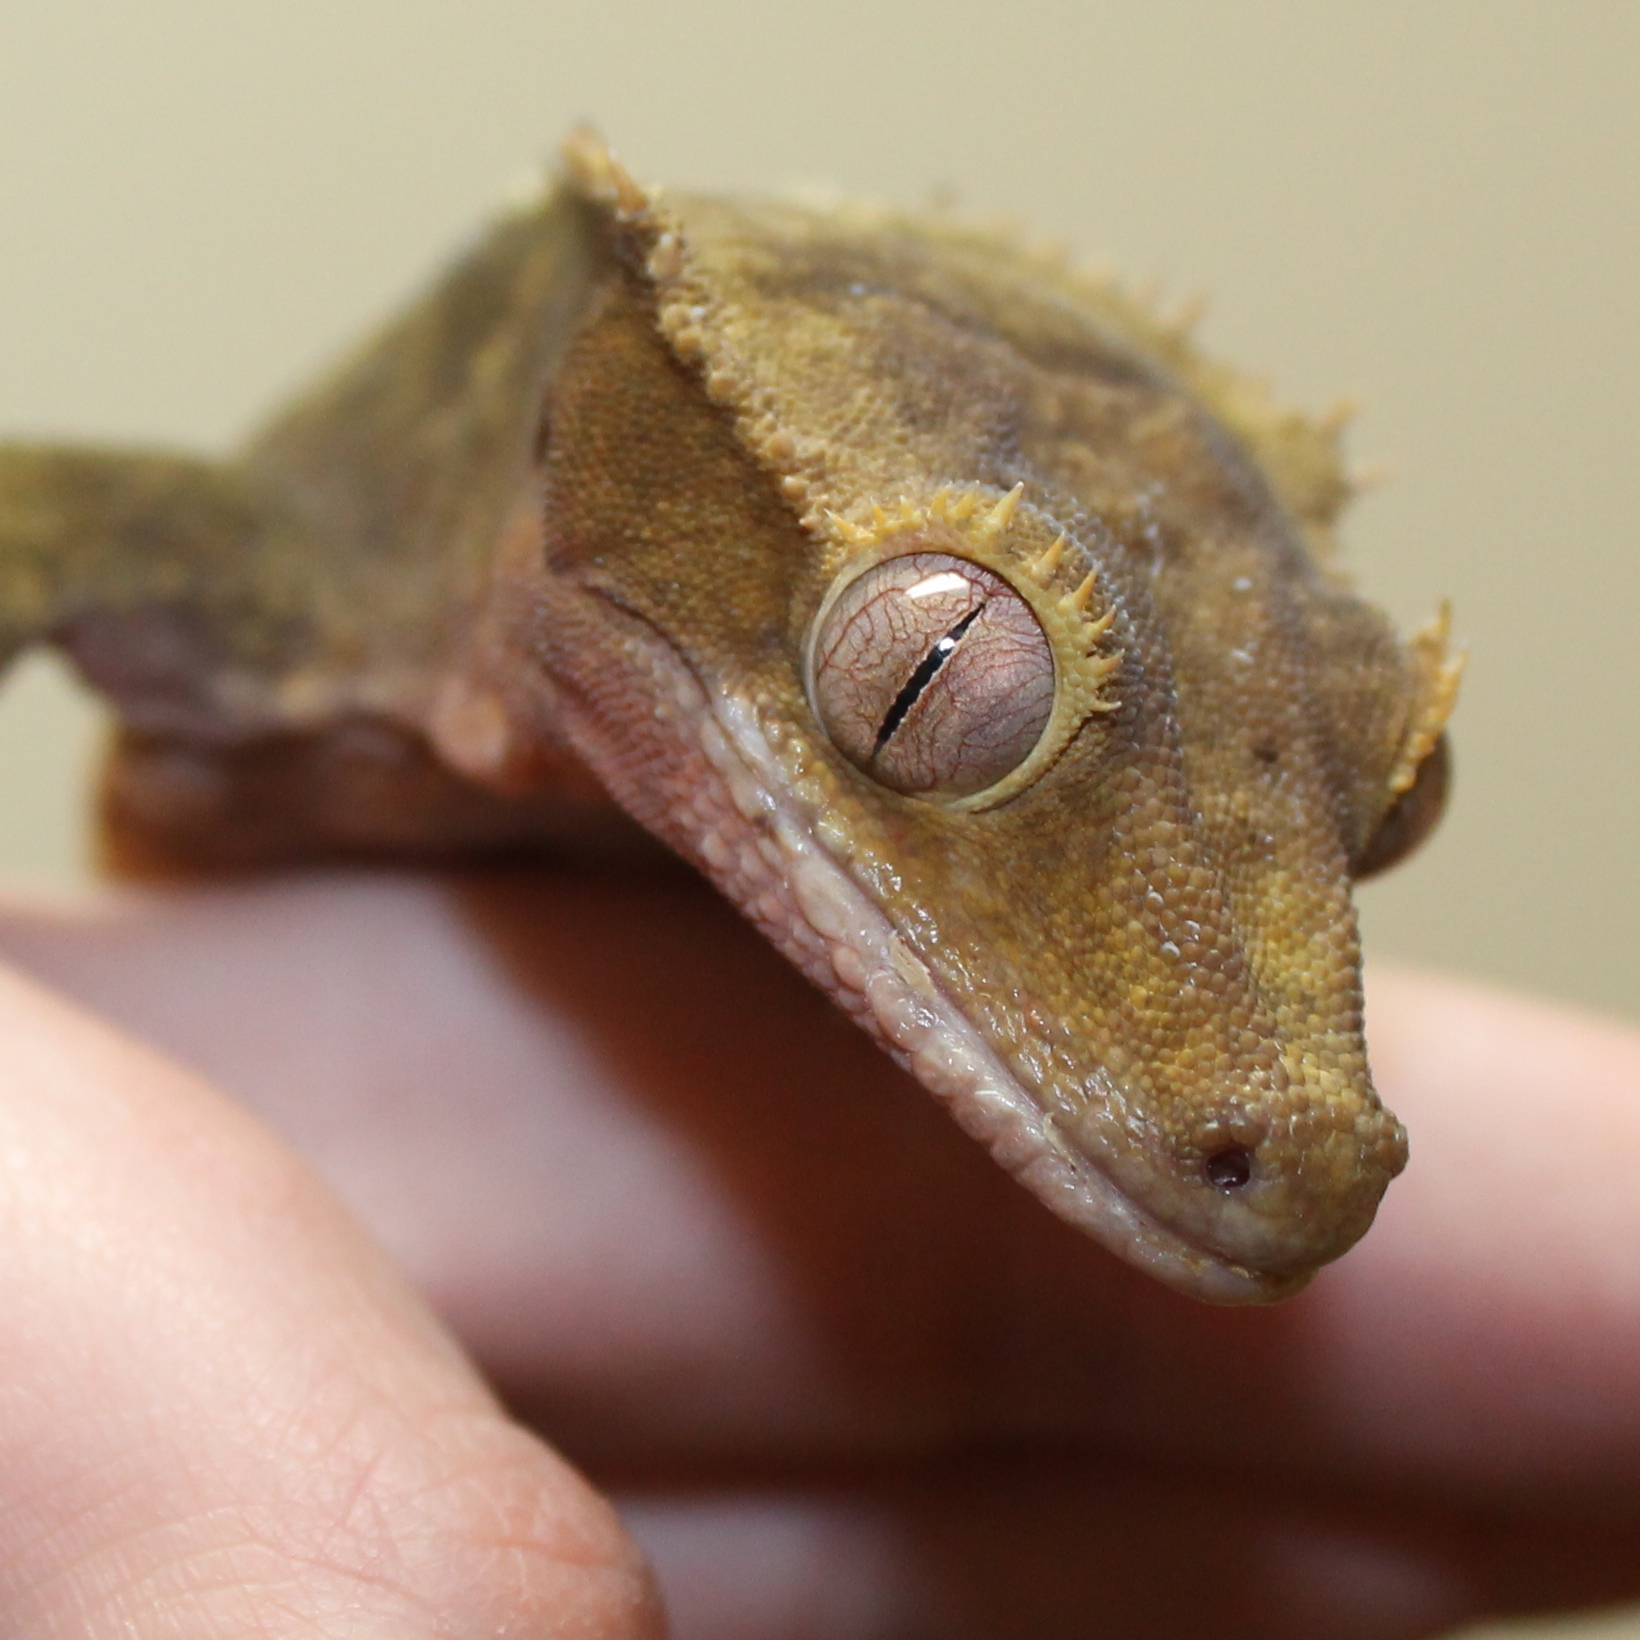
[1428, 208]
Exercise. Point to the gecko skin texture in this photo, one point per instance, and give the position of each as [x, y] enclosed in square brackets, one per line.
[977, 636]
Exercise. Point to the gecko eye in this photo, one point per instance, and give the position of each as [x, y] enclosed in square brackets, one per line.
[1410, 818]
[932, 675]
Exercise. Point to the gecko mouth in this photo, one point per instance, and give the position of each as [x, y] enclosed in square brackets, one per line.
[815, 910]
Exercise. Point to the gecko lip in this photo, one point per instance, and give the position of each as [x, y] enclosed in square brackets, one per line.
[882, 982]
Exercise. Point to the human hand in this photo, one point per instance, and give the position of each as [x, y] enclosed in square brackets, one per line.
[847, 1381]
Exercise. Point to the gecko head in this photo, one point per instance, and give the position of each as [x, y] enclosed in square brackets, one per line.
[1084, 870]
[1057, 778]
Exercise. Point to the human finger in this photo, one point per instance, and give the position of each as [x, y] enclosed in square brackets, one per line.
[222, 1411]
[601, 1100]
[991, 1546]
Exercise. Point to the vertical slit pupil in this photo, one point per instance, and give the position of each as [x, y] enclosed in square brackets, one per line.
[939, 653]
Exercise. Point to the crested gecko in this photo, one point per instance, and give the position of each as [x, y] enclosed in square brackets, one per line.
[978, 637]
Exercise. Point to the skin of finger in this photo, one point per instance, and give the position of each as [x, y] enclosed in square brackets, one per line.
[994, 1546]
[1066, 1344]
[978, 1555]
[1481, 1345]
[769, 1242]
[1513, 1353]
[221, 1410]
[550, 1130]
[992, 1549]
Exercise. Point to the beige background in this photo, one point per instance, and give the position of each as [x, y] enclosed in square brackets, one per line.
[1429, 206]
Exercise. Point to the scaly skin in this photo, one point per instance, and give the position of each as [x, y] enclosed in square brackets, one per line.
[592, 506]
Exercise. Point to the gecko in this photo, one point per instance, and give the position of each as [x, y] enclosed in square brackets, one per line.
[978, 636]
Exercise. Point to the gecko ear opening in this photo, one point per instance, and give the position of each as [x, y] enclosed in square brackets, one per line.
[1410, 818]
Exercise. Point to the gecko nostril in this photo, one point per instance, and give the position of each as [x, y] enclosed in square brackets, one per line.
[1230, 1168]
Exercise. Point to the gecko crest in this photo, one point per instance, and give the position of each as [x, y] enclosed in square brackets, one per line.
[1440, 672]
